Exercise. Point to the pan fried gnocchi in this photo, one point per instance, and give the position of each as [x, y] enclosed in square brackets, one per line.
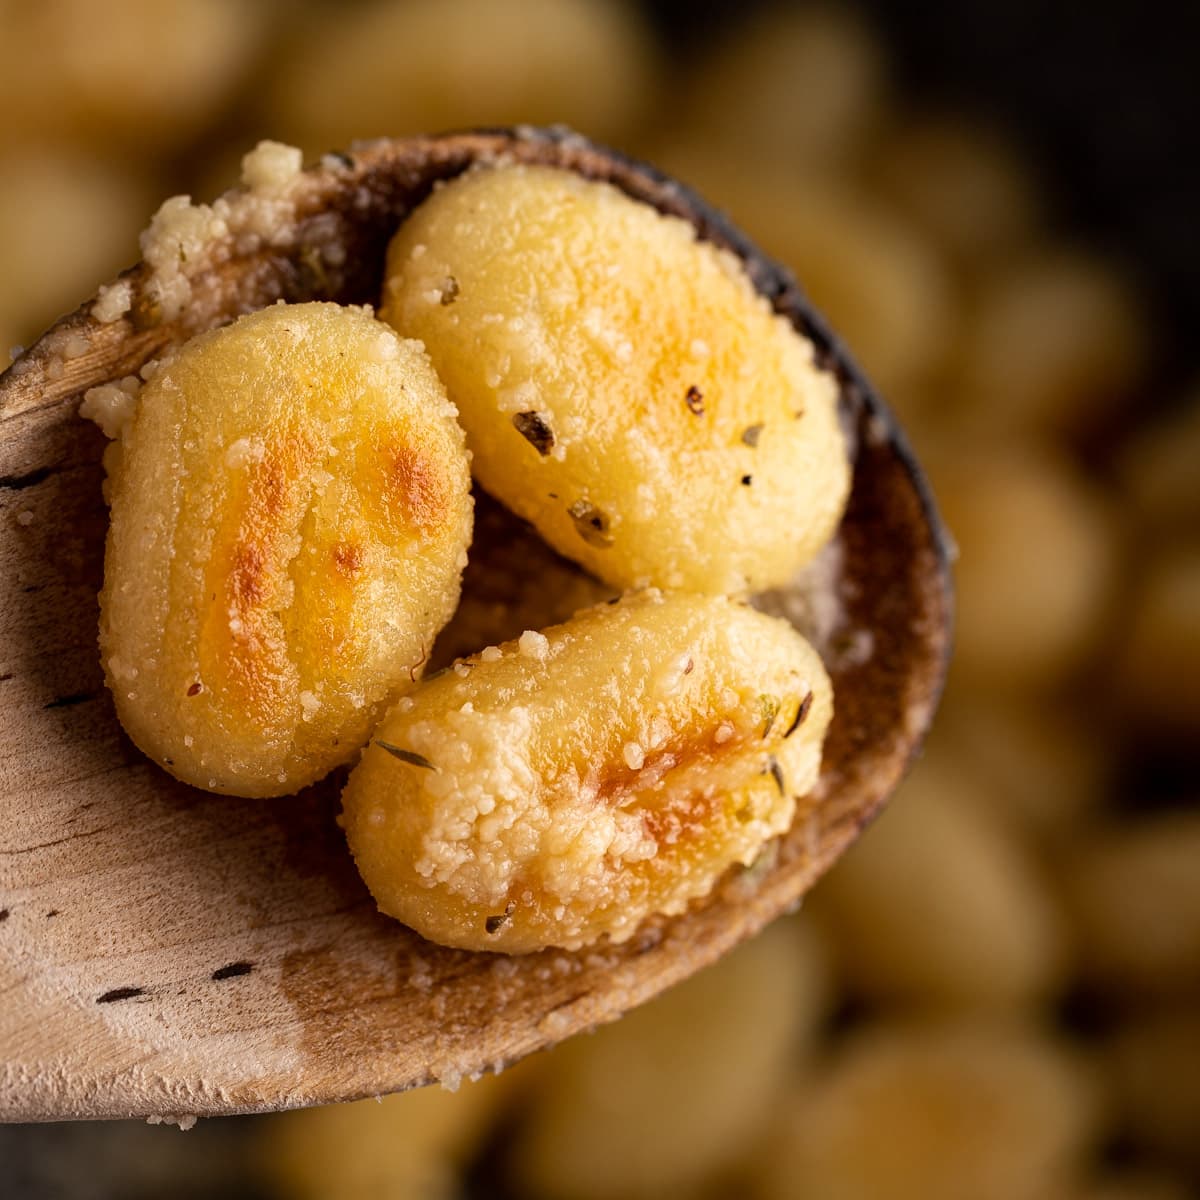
[622, 384]
[287, 493]
[570, 783]
[291, 515]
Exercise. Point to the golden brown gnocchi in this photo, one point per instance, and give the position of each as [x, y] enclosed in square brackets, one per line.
[570, 783]
[290, 513]
[622, 385]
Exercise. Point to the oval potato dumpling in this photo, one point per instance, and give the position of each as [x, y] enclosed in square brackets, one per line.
[622, 385]
[290, 514]
[905, 1110]
[569, 784]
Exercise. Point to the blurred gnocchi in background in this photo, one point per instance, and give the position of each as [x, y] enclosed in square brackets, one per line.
[998, 993]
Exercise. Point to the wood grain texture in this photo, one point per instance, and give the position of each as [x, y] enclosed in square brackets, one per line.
[168, 952]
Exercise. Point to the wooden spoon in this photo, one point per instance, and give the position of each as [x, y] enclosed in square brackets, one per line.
[167, 953]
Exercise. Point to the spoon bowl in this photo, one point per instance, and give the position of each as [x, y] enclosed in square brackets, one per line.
[166, 953]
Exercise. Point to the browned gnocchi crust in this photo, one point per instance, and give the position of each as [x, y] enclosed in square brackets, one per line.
[569, 784]
[290, 513]
[622, 385]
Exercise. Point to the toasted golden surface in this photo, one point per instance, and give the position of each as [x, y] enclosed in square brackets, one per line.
[622, 385]
[569, 784]
[290, 512]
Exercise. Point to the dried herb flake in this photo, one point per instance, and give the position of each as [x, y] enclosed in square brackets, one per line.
[801, 713]
[776, 773]
[751, 434]
[533, 427]
[448, 291]
[408, 756]
[497, 922]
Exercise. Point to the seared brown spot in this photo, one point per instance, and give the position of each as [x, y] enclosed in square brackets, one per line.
[416, 488]
[666, 815]
[617, 780]
[248, 576]
[348, 558]
[243, 644]
[272, 511]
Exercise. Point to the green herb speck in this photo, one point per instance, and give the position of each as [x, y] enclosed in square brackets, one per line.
[769, 707]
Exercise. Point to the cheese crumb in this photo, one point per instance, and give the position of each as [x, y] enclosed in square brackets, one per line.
[634, 755]
[112, 405]
[177, 236]
[114, 302]
[534, 645]
[491, 654]
[271, 167]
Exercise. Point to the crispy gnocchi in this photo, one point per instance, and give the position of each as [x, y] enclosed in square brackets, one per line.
[570, 783]
[291, 508]
[622, 384]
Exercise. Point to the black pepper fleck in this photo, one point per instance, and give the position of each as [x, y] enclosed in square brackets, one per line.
[747, 480]
[695, 400]
[448, 291]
